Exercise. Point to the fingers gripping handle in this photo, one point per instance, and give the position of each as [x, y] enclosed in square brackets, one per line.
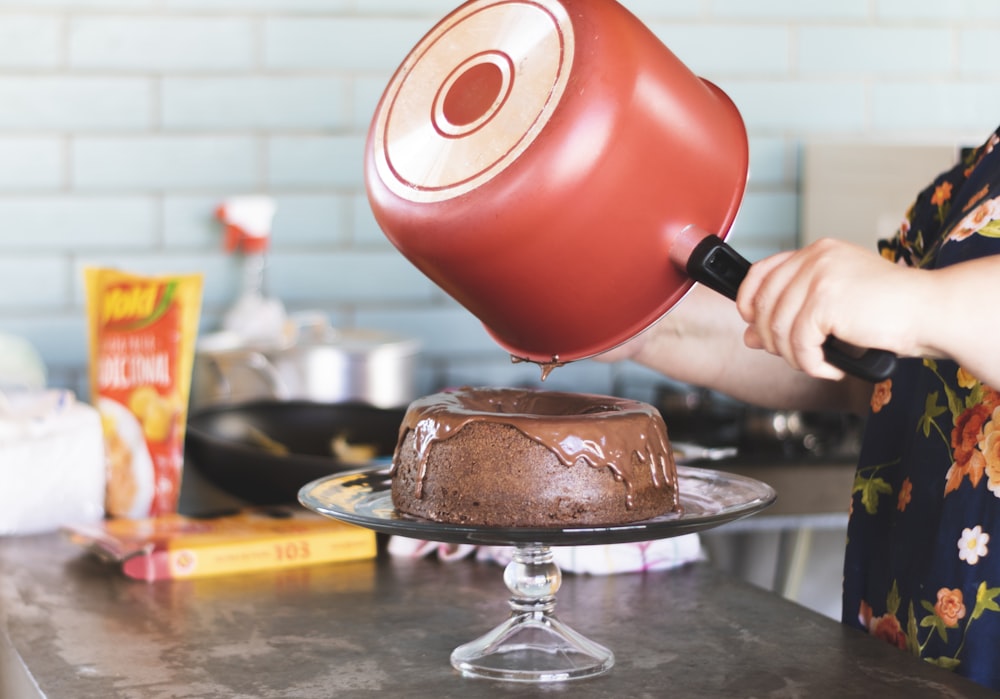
[716, 265]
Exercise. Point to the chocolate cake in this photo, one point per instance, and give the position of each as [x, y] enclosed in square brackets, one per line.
[501, 457]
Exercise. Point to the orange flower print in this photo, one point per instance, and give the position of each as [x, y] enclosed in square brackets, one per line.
[973, 469]
[881, 395]
[989, 446]
[976, 198]
[965, 379]
[888, 629]
[865, 614]
[942, 194]
[950, 607]
[905, 495]
[885, 627]
[976, 220]
[990, 397]
[968, 459]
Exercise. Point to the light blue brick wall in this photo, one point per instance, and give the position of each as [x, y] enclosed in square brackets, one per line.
[158, 43]
[124, 122]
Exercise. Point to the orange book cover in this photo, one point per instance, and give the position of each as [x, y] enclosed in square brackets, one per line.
[177, 546]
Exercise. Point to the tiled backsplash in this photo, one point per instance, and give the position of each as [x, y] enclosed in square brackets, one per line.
[124, 122]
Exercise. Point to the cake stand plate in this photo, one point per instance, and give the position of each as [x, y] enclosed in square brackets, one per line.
[532, 645]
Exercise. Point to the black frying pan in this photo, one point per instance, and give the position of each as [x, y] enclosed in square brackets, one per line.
[264, 451]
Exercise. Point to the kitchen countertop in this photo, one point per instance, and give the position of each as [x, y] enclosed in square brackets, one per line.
[72, 627]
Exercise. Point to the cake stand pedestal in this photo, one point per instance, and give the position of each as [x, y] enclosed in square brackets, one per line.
[532, 645]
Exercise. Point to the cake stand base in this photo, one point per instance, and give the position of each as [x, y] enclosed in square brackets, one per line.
[532, 645]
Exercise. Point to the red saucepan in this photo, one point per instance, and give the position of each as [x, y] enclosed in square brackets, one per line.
[559, 172]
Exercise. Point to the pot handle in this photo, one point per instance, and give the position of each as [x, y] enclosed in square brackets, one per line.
[718, 266]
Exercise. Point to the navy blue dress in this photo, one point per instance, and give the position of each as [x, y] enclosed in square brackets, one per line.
[922, 565]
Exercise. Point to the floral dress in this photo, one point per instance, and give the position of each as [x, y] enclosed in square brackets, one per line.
[922, 565]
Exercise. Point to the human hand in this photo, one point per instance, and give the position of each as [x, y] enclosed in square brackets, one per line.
[793, 301]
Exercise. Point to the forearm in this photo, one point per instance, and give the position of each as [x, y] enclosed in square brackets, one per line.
[700, 342]
[954, 314]
[793, 301]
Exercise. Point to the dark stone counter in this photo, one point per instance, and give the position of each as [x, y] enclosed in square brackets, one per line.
[70, 627]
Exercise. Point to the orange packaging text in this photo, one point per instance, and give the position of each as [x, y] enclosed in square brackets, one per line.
[142, 338]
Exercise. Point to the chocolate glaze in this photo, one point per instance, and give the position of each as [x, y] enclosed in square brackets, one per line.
[601, 431]
[546, 367]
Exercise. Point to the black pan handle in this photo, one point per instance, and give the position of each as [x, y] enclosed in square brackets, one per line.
[715, 264]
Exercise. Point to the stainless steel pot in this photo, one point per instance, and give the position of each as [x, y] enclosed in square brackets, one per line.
[322, 364]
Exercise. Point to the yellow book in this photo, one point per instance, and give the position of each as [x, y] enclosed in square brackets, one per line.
[178, 547]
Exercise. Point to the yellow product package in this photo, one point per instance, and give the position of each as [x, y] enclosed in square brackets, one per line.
[142, 338]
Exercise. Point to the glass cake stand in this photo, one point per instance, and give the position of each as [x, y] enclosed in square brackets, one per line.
[532, 645]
